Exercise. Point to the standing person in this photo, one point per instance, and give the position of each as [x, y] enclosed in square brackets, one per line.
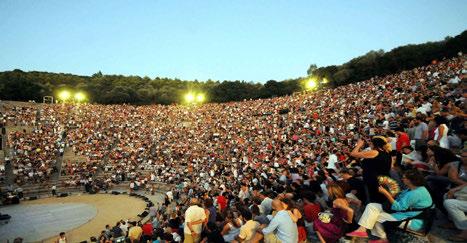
[54, 190]
[441, 132]
[332, 160]
[166, 201]
[420, 128]
[376, 162]
[222, 201]
[135, 232]
[175, 221]
[147, 231]
[194, 218]
[403, 139]
[244, 192]
[210, 210]
[132, 186]
[117, 231]
[170, 195]
[153, 211]
[61, 238]
[124, 227]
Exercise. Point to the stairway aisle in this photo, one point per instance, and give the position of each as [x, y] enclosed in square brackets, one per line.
[9, 176]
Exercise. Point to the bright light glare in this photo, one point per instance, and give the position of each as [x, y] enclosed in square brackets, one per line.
[200, 98]
[80, 96]
[64, 95]
[189, 98]
[311, 84]
[325, 81]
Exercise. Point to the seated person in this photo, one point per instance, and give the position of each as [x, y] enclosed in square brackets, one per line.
[415, 197]
[281, 228]
[356, 185]
[232, 226]
[456, 206]
[292, 209]
[413, 158]
[249, 228]
[457, 172]
[340, 215]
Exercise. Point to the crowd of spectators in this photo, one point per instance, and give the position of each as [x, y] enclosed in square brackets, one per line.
[286, 169]
[34, 149]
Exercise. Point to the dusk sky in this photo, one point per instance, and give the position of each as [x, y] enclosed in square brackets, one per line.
[217, 39]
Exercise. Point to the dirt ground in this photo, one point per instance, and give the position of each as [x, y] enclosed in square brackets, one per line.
[110, 209]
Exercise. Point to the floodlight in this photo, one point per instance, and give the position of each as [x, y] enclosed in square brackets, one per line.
[311, 84]
[64, 95]
[189, 98]
[200, 98]
[80, 96]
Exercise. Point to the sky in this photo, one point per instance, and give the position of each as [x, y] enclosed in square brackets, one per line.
[248, 40]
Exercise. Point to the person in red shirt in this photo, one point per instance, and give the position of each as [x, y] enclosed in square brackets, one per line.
[222, 201]
[310, 207]
[403, 139]
[147, 231]
[301, 231]
[311, 210]
[315, 116]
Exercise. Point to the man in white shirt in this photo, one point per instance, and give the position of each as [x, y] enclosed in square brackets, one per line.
[124, 227]
[132, 186]
[194, 218]
[332, 160]
[170, 195]
[244, 193]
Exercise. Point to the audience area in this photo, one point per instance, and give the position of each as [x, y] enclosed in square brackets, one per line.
[378, 160]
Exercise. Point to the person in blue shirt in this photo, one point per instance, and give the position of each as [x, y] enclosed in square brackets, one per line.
[281, 228]
[403, 207]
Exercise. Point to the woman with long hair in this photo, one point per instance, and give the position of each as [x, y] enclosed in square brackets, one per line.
[294, 213]
[375, 162]
[340, 216]
[441, 160]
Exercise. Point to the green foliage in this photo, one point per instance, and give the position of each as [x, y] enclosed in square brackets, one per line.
[116, 89]
[380, 63]
[312, 68]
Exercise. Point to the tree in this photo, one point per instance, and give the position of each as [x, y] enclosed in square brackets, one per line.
[106, 89]
[311, 69]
